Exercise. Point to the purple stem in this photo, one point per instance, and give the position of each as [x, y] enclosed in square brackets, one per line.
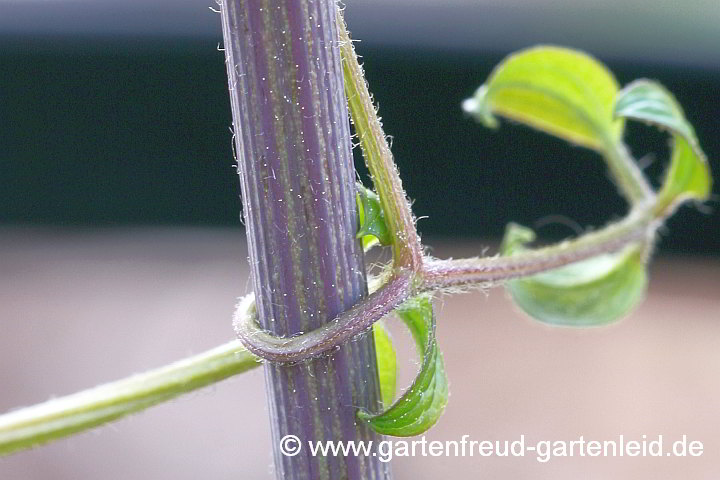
[292, 140]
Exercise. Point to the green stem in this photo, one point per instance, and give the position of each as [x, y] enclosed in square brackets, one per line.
[407, 251]
[630, 179]
[60, 417]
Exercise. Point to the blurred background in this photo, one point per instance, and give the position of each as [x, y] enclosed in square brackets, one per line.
[121, 247]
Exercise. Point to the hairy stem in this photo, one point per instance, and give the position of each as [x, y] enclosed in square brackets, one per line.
[358, 319]
[64, 416]
[407, 251]
[438, 275]
[293, 145]
[639, 226]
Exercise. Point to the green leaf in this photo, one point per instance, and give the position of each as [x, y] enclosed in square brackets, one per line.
[424, 402]
[563, 92]
[591, 292]
[689, 174]
[650, 102]
[386, 363]
[688, 178]
[372, 229]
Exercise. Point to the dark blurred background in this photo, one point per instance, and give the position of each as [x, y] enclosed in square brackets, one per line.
[118, 114]
[121, 247]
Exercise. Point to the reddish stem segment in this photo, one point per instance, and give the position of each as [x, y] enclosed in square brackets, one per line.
[437, 275]
[292, 139]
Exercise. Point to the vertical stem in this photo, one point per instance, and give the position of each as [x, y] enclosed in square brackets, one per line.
[293, 151]
[407, 251]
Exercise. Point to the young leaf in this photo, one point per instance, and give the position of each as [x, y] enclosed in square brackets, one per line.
[386, 363]
[424, 402]
[372, 229]
[650, 102]
[592, 292]
[689, 174]
[560, 91]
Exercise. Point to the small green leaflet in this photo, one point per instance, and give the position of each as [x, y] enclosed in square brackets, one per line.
[372, 229]
[560, 91]
[386, 362]
[592, 292]
[424, 402]
[689, 174]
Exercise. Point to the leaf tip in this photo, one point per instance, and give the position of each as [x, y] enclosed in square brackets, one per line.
[477, 106]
